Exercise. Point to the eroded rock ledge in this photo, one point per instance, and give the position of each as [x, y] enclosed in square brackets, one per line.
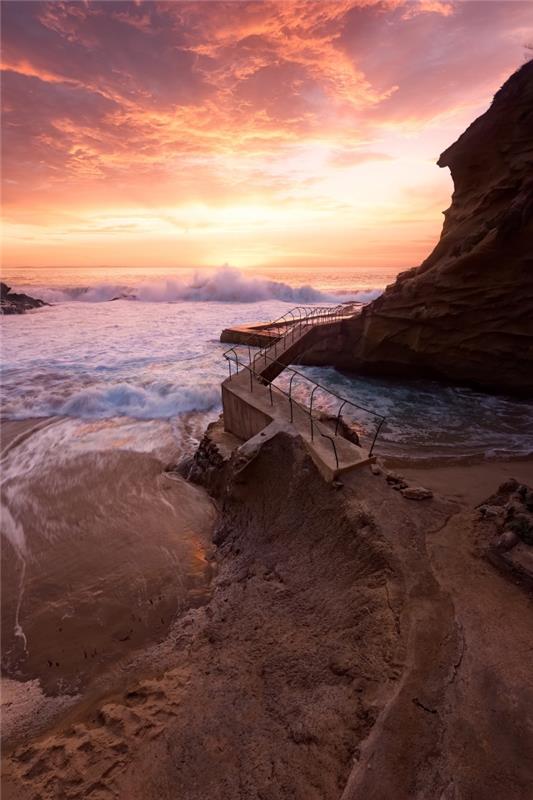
[466, 313]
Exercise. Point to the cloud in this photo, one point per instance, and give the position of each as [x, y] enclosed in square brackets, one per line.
[351, 157]
[165, 103]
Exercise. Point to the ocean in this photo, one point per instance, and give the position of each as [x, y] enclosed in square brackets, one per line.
[131, 359]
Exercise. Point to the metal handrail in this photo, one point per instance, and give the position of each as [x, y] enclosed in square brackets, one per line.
[344, 401]
[325, 389]
[320, 314]
[271, 385]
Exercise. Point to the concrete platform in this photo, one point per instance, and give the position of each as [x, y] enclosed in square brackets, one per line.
[254, 334]
[250, 407]
[262, 334]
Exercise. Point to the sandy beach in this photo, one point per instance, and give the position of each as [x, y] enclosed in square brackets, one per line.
[103, 550]
[277, 673]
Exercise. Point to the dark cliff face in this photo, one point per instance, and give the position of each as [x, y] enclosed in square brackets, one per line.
[466, 313]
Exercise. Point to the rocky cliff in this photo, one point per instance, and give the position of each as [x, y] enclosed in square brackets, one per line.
[466, 313]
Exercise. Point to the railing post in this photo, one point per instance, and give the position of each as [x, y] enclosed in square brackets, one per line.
[290, 391]
[311, 399]
[376, 436]
[339, 416]
[333, 445]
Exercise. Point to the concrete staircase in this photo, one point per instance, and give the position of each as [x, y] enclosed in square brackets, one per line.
[252, 402]
[273, 359]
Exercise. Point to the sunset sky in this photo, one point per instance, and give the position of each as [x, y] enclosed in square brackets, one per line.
[252, 133]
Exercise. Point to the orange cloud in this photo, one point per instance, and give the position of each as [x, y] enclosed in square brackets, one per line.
[170, 119]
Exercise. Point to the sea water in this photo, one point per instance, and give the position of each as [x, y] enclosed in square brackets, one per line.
[131, 359]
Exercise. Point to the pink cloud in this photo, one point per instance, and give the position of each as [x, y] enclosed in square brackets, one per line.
[210, 102]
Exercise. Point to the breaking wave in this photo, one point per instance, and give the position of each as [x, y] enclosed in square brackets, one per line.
[159, 400]
[226, 285]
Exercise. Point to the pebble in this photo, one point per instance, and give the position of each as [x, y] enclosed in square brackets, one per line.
[507, 540]
[417, 493]
[491, 511]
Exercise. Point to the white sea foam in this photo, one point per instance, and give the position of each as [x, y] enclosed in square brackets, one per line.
[13, 531]
[160, 400]
[227, 285]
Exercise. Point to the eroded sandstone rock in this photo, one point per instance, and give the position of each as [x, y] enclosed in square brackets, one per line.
[466, 313]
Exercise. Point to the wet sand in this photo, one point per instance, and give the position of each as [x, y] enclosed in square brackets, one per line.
[101, 551]
[469, 484]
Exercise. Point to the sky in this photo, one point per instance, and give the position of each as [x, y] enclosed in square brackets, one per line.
[250, 133]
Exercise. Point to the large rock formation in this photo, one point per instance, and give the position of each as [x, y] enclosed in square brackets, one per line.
[466, 313]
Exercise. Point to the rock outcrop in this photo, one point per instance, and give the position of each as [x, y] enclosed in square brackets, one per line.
[16, 303]
[466, 313]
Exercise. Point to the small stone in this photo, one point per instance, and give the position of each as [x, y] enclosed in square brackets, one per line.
[341, 666]
[522, 525]
[375, 470]
[508, 486]
[398, 485]
[394, 477]
[507, 540]
[417, 493]
[491, 511]
[337, 484]
[527, 498]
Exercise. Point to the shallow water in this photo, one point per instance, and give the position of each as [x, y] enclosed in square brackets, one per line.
[425, 421]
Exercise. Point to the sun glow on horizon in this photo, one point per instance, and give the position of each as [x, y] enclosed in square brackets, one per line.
[189, 134]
